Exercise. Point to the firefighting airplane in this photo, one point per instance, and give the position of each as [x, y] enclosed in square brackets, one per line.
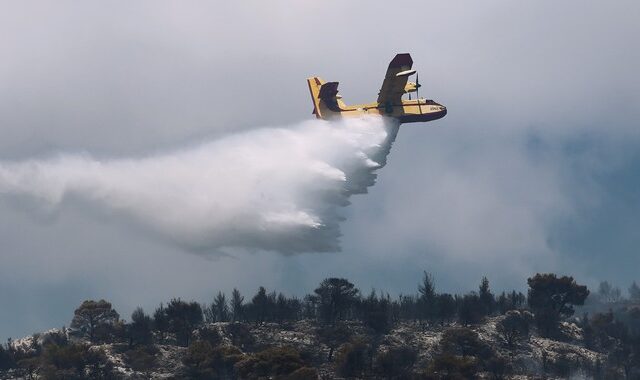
[329, 105]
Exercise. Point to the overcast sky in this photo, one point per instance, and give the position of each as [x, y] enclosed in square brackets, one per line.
[535, 168]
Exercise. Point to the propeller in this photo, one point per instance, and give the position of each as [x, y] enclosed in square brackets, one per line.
[418, 92]
[417, 85]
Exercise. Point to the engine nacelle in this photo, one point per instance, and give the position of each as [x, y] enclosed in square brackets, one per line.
[411, 87]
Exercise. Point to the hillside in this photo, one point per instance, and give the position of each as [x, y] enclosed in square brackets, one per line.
[530, 358]
[336, 332]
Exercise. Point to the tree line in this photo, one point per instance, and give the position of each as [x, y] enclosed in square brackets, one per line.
[549, 297]
[333, 305]
[333, 301]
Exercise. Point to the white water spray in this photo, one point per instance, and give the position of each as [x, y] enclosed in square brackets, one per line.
[277, 189]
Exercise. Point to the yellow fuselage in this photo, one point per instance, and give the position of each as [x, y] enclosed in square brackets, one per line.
[409, 111]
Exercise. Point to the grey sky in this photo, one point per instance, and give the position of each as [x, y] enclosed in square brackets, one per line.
[534, 168]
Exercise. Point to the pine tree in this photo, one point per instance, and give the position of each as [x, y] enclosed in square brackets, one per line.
[260, 305]
[604, 291]
[486, 297]
[140, 328]
[160, 322]
[427, 297]
[335, 297]
[93, 318]
[552, 298]
[237, 305]
[220, 307]
[634, 292]
[183, 318]
[427, 289]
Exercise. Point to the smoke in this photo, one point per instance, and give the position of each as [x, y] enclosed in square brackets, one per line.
[277, 189]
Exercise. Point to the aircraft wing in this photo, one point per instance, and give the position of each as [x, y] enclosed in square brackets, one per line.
[395, 80]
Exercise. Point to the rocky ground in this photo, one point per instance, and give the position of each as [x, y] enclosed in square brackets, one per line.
[529, 359]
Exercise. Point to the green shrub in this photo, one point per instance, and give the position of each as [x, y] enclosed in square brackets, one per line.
[396, 361]
[142, 358]
[351, 360]
[304, 373]
[514, 326]
[333, 336]
[447, 366]
[205, 362]
[241, 336]
[6, 359]
[464, 342]
[272, 362]
[74, 361]
[199, 360]
[210, 335]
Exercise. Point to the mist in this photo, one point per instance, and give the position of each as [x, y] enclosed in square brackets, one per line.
[278, 189]
[535, 167]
